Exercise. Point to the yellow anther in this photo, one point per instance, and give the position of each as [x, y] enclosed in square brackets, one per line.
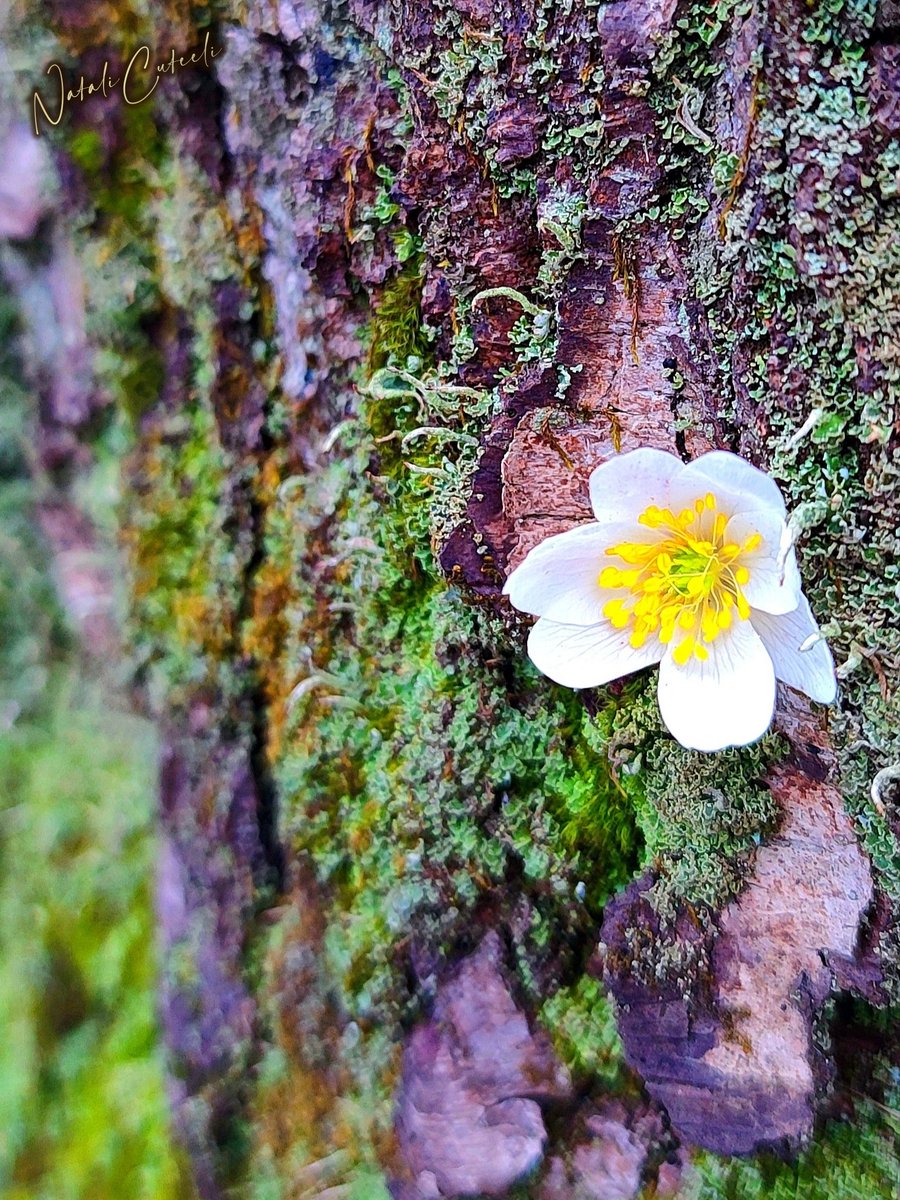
[724, 617]
[610, 577]
[685, 518]
[618, 612]
[699, 505]
[639, 636]
[633, 552]
[688, 618]
[710, 500]
[719, 526]
[730, 550]
[701, 652]
[742, 575]
[710, 625]
[683, 651]
[752, 542]
[742, 606]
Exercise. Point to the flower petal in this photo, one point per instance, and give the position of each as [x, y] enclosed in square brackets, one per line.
[772, 588]
[728, 700]
[580, 656]
[558, 578]
[810, 671]
[623, 486]
[737, 484]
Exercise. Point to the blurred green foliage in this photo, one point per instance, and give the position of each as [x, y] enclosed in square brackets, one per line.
[83, 1112]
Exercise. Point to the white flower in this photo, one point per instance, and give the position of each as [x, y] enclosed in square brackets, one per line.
[689, 567]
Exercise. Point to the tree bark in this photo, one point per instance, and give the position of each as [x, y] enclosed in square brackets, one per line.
[405, 274]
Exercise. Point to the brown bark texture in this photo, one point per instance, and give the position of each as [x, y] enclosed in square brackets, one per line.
[529, 236]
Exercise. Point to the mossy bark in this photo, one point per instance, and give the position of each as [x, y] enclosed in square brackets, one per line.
[406, 273]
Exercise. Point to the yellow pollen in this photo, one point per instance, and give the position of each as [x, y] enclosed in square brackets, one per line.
[685, 578]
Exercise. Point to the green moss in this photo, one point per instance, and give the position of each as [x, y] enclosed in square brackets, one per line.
[185, 575]
[84, 1106]
[701, 815]
[425, 764]
[581, 1020]
[851, 1159]
[83, 1109]
[396, 332]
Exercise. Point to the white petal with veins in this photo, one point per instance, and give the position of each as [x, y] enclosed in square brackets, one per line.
[810, 671]
[772, 587]
[727, 700]
[580, 656]
[559, 577]
[624, 485]
[737, 484]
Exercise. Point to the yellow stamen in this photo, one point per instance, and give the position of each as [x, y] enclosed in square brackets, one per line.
[684, 579]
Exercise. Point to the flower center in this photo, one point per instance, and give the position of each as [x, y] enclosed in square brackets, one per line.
[685, 586]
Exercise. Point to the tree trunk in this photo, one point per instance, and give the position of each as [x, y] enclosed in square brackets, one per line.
[388, 281]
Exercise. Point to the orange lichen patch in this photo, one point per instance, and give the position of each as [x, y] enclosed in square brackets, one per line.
[264, 638]
[300, 1120]
[269, 479]
[625, 271]
[199, 622]
[299, 1106]
[740, 173]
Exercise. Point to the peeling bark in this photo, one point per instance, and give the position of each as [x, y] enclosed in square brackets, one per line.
[739, 1063]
